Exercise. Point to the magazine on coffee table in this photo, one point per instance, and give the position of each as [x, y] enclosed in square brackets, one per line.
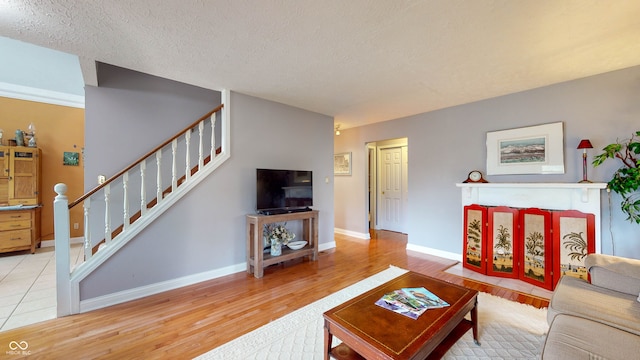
[411, 302]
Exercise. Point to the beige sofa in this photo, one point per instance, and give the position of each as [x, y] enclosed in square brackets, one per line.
[597, 320]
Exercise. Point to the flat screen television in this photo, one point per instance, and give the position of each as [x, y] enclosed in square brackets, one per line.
[282, 191]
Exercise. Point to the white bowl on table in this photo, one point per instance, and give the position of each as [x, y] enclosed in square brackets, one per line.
[296, 245]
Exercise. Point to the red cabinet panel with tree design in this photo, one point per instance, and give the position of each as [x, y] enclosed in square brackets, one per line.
[573, 239]
[537, 253]
[475, 225]
[503, 242]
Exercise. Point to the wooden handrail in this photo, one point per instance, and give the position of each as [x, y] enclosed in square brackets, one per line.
[144, 157]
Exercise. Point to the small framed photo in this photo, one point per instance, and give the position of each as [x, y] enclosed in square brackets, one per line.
[71, 158]
[528, 150]
[342, 164]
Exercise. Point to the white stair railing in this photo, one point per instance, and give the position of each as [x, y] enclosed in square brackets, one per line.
[101, 240]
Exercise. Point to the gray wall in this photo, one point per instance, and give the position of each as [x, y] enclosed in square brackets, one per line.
[39, 67]
[205, 230]
[445, 145]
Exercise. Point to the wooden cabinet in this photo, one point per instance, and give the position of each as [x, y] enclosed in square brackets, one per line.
[20, 198]
[19, 230]
[21, 176]
[257, 260]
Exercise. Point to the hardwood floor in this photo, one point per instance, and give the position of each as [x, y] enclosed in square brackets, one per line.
[190, 321]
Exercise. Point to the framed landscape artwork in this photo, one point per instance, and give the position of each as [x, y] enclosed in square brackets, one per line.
[342, 164]
[528, 150]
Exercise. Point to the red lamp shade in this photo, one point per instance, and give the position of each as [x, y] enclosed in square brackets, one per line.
[585, 144]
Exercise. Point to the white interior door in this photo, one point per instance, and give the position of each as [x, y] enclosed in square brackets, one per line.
[391, 182]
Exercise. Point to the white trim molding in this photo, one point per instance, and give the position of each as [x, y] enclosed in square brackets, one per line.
[152, 289]
[359, 235]
[327, 246]
[434, 252]
[41, 95]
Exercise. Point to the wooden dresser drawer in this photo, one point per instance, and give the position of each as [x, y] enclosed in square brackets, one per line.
[15, 239]
[15, 225]
[14, 215]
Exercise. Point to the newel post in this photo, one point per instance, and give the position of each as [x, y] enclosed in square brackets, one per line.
[62, 249]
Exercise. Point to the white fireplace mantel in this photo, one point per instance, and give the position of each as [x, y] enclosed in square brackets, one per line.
[583, 197]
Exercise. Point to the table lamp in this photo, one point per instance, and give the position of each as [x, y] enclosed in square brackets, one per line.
[584, 145]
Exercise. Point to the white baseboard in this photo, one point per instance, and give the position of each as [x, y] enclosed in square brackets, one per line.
[434, 252]
[52, 243]
[137, 293]
[354, 234]
[326, 246]
[143, 291]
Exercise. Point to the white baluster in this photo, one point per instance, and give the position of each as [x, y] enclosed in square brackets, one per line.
[125, 190]
[107, 213]
[159, 176]
[174, 176]
[213, 136]
[63, 254]
[200, 145]
[143, 188]
[187, 137]
[87, 230]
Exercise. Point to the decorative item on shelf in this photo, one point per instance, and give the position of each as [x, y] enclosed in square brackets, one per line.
[625, 179]
[475, 176]
[296, 245]
[279, 235]
[1, 131]
[584, 145]
[19, 137]
[31, 135]
[276, 247]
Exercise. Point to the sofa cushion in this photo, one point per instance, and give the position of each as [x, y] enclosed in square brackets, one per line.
[577, 297]
[573, 337]
[614, 272]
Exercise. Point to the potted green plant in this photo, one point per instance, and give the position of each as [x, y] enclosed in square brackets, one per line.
[626, 180]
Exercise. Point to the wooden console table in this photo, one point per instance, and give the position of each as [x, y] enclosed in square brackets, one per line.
[257, 260]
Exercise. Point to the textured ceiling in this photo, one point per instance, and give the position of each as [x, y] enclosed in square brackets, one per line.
[359, 61]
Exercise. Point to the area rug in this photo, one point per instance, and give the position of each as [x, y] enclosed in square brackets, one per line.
[507, 330]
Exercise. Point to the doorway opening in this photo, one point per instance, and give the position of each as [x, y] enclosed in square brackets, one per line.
[387, 184]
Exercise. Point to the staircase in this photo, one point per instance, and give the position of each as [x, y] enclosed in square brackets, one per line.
[134, 197]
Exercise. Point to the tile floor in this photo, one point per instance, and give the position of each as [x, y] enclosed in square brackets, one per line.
[512, 284]
[27, 286]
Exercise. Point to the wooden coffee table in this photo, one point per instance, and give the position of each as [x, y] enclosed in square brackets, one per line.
[371, 332]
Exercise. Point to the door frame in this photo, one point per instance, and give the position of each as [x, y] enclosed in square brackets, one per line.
[372, 185]
[373, 167]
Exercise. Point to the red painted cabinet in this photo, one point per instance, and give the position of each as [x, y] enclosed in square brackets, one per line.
[534, 245]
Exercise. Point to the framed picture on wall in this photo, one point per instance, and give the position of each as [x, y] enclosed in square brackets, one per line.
[70, 158]
[342, 164]
[528, 150]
